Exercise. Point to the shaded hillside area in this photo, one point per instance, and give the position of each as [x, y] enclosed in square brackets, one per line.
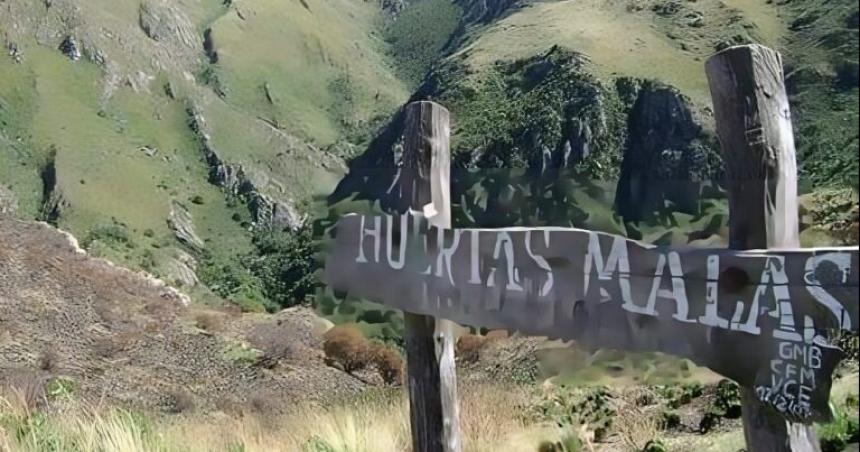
[617, 90]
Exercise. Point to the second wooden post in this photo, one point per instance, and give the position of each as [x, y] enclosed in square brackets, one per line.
[754, 127]
[431, 374]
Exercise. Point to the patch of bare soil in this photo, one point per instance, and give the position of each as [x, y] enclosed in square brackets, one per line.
[126, 338]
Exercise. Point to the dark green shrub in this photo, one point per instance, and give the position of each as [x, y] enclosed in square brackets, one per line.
[114, 235]
[418, 35]
[676, 396]
[838, 433]
[285, 265]
[728, 399]
[655, 445]
[228, 278]
[670, 420]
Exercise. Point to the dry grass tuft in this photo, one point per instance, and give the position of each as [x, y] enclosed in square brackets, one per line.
[634, 425]
[388, 362]
[347, 347]
[376, 421]
[209, 321]
[24, 394]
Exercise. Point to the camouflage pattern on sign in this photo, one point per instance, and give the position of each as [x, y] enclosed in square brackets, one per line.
[765, 319]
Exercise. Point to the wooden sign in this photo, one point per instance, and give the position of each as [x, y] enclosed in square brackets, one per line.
[761, 318]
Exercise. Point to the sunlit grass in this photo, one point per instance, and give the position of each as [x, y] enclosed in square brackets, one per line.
[491, 419]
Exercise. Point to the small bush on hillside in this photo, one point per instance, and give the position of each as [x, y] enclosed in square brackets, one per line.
[388, 363]
[592, 407]
[276, 346]
[655, 445]
[60, 388]
[346, 346]
[838, 433]
[676, 396]
[569, 442]
[670, 420]
[209, 321]
[114, 235]
[243, 355]
[229, 279]
[728, 399]
[47, 360]
[179, 401]
[710, 420]
[469, 347]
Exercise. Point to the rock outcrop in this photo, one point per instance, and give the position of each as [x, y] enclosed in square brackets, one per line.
[666, 155]
[182, 268]
[182, 225]
[71, 48]
[164, 22]
[8, 201]
[53, 201]
[485, 11]
[266, 209]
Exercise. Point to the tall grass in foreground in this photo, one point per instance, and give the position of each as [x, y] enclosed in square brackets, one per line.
[491, 418]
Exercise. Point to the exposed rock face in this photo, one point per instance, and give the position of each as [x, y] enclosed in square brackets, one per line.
[485, 11]
[53, 207]
[53, 201]
[163, 21]
[182, 225]
[664, 154]
[182, 268]
[275, 214]
[8, 202]
[266, 210]
[209, 46]
[70, 48]
[393, 7]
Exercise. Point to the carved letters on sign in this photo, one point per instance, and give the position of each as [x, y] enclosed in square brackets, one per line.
[761, 318]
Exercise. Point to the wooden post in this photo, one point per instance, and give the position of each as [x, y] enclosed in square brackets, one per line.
[431, 373]
[754, 127]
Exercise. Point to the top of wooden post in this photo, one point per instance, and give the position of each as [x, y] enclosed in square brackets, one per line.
[754, 127]
[427, 161]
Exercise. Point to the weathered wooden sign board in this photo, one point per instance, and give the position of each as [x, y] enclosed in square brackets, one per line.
[761, 318]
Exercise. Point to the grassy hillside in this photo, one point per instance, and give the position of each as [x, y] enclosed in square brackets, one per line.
[663, 40]
[669, 40]
[313, 67]
[113, 114]
[108, 110]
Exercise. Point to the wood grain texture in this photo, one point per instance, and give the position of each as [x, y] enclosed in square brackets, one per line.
[754, 127]
[425, 187]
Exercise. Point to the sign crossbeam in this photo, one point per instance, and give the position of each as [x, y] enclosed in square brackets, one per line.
[762, 317]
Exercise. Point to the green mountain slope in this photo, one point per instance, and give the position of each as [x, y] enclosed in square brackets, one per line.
[116, 115]
[169, 134]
